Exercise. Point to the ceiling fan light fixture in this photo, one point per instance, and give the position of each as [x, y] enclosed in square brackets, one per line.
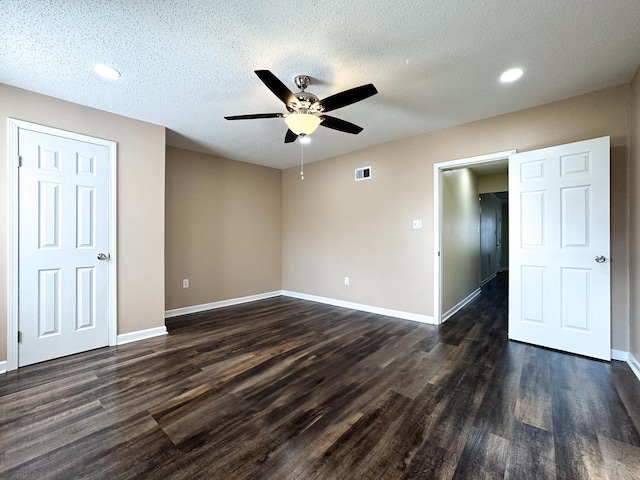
[302, 123]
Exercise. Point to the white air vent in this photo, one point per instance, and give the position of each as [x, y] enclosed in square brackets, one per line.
[363, 173]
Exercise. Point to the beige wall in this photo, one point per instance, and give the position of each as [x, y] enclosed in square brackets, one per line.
[460, 236]
[140, 190]
[634, 241]
[223, 229]
[496, 182]
[333, 226]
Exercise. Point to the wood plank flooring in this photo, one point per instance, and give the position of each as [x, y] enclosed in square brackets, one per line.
[289, 389]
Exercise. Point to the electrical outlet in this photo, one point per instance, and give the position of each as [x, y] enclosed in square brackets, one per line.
[185, 283]
[346, 280]
[417, 224]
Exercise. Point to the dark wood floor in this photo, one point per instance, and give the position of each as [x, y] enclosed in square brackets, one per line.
[284, 389]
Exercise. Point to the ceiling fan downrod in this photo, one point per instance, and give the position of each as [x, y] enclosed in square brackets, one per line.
[302, 82]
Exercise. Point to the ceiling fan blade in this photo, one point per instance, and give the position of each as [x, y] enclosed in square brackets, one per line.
[276, 86]
[290, 136]
[255, 115]
[341, 125]
[348, 97]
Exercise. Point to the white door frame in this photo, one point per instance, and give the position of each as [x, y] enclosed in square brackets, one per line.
[12, 240]
[438, 168]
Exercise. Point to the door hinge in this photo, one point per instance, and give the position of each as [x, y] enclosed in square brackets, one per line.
[19, 336]
[19, 161]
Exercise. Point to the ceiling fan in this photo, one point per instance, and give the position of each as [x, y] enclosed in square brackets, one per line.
[305, 110]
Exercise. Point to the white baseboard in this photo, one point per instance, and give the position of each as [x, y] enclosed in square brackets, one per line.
[141, 335]
[223, 303]
[489, 278]
[628, 357]
[303, 296]
[634, 365]
[452, 311]
[122, 339]
[620, 355]
[365, 308]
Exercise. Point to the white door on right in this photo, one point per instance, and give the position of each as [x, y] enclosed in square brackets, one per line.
[559, 254]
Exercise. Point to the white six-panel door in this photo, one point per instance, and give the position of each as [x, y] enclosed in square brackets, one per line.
[63, 227]
[559, 259]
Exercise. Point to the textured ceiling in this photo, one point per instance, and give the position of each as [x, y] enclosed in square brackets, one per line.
[186, 64]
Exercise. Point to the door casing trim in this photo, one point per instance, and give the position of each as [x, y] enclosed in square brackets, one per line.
[13, 128]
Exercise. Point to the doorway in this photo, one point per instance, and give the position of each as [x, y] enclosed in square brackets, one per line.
[62, 243]
[494, 229]
[485, 163]
[560, 287]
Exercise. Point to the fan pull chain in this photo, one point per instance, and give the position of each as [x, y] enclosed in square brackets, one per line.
[301, 161]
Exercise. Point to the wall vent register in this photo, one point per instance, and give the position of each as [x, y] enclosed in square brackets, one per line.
[363, 173]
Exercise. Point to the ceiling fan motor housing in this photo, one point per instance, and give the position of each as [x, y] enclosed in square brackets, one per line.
[307, 102]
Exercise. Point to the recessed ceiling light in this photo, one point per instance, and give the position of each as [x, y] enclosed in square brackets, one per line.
[511, 75]
[105, 71]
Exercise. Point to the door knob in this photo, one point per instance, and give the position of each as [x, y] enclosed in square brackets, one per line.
[103, 256]
[600, 259]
